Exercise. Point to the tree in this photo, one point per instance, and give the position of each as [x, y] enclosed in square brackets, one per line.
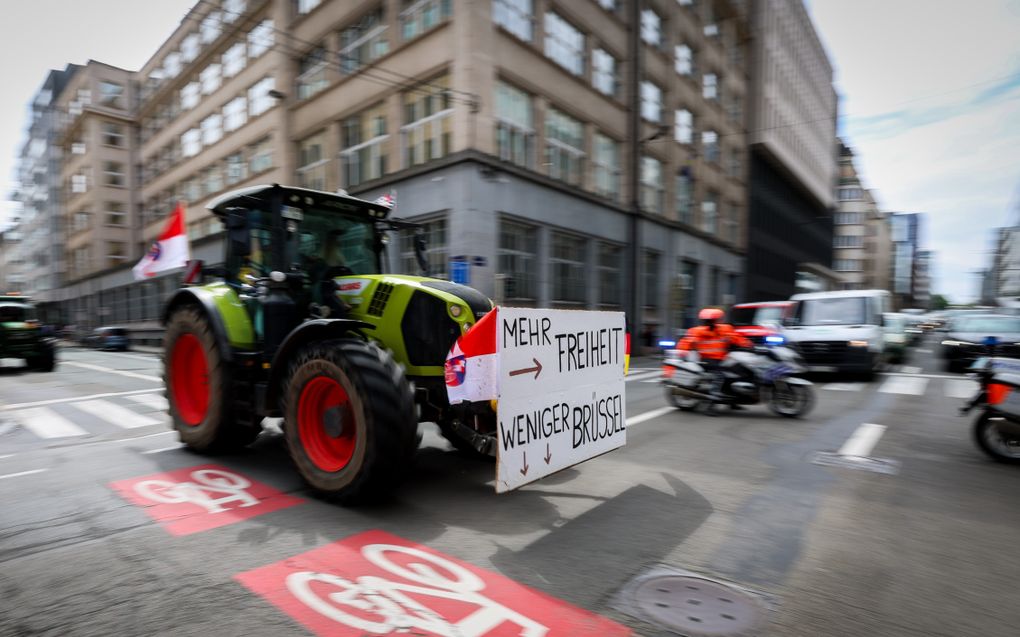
[939, 302]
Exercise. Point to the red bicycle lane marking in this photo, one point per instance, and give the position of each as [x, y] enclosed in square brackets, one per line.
[196, 499]
[375, 583]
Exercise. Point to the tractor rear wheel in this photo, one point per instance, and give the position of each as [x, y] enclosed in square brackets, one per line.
[197, 383]
[349, 419]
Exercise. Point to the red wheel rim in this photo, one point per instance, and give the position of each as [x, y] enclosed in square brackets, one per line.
[326, 424]
[189, 379]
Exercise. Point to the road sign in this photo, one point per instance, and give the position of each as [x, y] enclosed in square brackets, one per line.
[375, 583]
[561, 390]
[460, 272]
[200, 498]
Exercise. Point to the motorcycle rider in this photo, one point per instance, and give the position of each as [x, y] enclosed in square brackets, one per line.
[712, 340]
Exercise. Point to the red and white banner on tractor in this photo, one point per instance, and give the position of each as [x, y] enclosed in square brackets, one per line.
[379, 584]
[169, 251]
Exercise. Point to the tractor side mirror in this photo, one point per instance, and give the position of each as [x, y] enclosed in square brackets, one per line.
[238, 233]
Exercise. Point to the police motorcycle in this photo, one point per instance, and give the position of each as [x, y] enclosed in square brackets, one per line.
[996, 430]
[766, 374]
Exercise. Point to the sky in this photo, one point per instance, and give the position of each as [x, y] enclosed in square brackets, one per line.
[930, 104]
[930, 101]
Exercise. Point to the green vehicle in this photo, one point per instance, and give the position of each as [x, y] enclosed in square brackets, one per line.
[22, 337]
[302, 323]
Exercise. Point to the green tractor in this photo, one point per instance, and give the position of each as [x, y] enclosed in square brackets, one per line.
[22, 337]
[302, 323]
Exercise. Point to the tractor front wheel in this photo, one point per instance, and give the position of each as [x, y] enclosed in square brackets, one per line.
[349, 419]
[197, 383]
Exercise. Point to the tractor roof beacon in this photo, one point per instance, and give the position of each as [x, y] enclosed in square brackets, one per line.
[301, 321]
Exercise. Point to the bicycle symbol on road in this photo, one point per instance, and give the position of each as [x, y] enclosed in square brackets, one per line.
[206, 483]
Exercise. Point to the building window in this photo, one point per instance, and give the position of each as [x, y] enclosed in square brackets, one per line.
[684, 60]
[364, 155]
[651, 101]
[710, 145]
[608, 5]
[515, 16]
[710, 86]
[212, 129]
[848, 218]
[610, 275]
[115, 215]
[210, 78]
[191, 142]
[260, 39]
[683, 130]
[603, 73]
[259, 100]
[436, 250]
[428, 118]
[306, 6]
[189, 48]
[234, 60]
[514, 130]
[651, 184]
[82, 220]
[312, 162]
[568, 268]
[420, 16]
[261, 156]
[651, 28]
[517, 259]
[237, 168]
[710, 214]
[606, 166]
[232, 9]
[731, 223]
[711, 30]
[650, 271]
[172, 65]
[115, 254]
[113, 134]
[564, 149]
[78, 148]
[113, 174]
[235, 113]
[312, 77]
[110, 94]
[850, 194]
[735, 109]
[189, 95]
[564, 44]
[685, 197]
[210, 27]
[847, 265]
[363, 42]
[848, 241]
[81, 260]
[212, 179]
[733, 165]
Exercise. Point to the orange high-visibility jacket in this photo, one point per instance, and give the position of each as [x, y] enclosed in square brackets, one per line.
[713, 344]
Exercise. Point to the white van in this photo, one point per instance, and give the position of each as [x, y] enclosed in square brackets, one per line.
[839, 331]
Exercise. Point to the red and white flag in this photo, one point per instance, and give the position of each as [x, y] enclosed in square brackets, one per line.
[472, 366]
[169, 251]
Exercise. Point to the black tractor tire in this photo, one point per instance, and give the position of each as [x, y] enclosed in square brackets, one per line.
[463, 446]
[45, 362]
[198, 384]
[349, 419]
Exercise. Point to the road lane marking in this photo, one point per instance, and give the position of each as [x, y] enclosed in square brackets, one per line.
[961, 388]
[643, 375]
[6, 455]
[110, 370]
[911, 385]
[648, 415]
[155, 401]
[23, 473]
[860, 444]
[924, 351]
[46, 423]
[115, 414]
[910, 370]
[891, 374]
[843, 386]
[162, 449]
[56, 401]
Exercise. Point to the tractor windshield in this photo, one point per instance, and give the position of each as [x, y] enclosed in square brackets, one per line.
[335, 240]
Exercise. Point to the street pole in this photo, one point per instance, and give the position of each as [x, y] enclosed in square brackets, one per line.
[634, 162]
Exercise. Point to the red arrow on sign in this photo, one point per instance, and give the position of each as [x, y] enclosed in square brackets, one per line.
[524, 471]
[548, 453]
[527, 370]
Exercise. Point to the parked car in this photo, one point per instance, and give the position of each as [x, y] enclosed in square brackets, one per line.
[110, 339]
[964, 341]
[755, 321]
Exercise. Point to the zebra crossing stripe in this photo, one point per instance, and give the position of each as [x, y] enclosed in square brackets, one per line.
[116, 414]
[911, 385]
[643, 375]
[843, 386]
[155, 401]
[46, 423]
[961, 388]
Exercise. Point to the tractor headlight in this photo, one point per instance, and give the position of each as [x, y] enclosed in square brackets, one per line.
[456, 311]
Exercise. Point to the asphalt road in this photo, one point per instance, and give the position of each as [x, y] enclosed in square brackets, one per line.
[927, 545]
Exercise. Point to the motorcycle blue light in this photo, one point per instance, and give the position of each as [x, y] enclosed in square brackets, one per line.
[775, 339]
[665, 343]
[991, 341]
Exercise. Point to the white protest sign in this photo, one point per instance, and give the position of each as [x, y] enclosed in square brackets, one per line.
[561, 391]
